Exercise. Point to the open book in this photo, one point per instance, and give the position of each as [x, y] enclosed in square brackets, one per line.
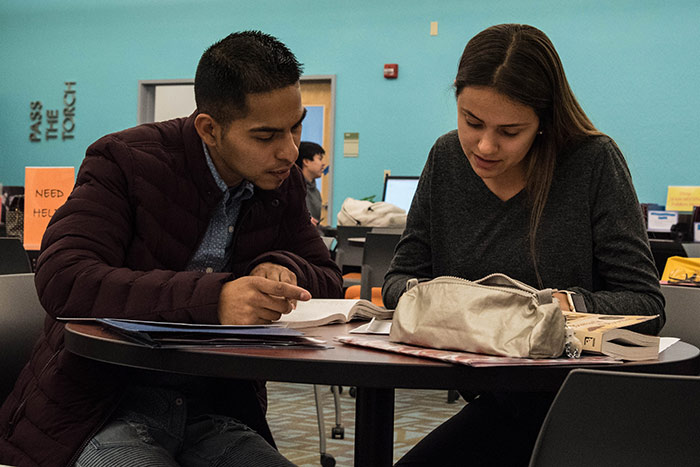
[320, 311]
[604, 334]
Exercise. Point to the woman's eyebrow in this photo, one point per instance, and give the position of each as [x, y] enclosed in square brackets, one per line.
[505, 125]
[469, 113]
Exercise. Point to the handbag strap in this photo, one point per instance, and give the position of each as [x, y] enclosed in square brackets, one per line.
[543, 296]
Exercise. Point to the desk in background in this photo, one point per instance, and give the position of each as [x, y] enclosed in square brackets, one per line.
[375, 374]
[662, 249]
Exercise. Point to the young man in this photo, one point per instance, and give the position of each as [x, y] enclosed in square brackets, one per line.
[310, 161]
[197, 219]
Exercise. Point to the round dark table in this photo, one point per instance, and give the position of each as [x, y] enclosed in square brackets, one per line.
[374, 373]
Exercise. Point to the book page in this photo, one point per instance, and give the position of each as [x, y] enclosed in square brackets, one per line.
[600, 323]
[596, 332]
[318, 311]
[626, 350]
[375, 326]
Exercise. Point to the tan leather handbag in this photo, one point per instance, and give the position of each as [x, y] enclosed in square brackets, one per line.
[495, 315]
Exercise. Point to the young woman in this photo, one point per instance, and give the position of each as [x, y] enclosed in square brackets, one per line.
[528, 187]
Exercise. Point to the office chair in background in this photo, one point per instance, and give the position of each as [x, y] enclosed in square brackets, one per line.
[610, 418]
[376, 258]
[21, 321]
[348, 257]
[13, 257]
[337, 432]
[682, 313]
[692, 250]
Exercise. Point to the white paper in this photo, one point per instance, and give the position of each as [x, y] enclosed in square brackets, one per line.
[666, 342]
[375, 326]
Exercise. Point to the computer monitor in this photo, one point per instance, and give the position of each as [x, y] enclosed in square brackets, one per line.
[399, 190]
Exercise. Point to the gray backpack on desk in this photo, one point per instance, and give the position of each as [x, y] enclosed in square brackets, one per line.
[495, 315]
[365, 213]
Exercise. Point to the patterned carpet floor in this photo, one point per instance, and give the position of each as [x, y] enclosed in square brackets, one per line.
[292, 418]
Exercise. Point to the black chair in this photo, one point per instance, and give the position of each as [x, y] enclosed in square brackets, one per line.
[348, 256]
[608, 418]
[13, 256]
[337, 432]
[376, 258]
[21, 321]
[682, 313]
[692, 250]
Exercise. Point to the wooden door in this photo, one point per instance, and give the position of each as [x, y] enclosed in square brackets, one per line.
[319, 91]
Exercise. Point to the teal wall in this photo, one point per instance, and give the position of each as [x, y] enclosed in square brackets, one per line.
[633, 65]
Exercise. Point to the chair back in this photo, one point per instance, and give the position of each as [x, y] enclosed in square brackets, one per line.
[692, 250]
[376, 258]
[13, 256]
[328, 241]
[21, 321]
[614, 418]
[388, 230]
[682, 313]
[346, 254]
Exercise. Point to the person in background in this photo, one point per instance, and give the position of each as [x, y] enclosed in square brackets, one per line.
[528, 187]
[197, 220]
[310, 161]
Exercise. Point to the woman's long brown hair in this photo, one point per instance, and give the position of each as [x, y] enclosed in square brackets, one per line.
[520, 62]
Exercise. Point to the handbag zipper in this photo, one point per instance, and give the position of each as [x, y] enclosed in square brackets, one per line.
[451, 279]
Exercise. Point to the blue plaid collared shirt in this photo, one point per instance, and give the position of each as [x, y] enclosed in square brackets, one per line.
[211, 256]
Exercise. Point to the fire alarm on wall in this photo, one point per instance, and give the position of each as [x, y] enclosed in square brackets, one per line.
[391, 70]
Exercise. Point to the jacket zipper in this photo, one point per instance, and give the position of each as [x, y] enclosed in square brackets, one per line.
[20, 408]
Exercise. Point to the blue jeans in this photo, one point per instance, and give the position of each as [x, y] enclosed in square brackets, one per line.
[152, 427]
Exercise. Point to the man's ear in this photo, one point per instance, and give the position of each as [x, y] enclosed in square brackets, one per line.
[207, 128]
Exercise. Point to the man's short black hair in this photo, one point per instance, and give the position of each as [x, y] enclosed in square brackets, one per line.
[243, 63]
[307, 150]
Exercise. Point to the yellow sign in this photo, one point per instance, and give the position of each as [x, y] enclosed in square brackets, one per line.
[682, 198]
[45, 190]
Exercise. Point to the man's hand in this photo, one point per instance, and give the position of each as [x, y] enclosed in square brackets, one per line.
[264, 296]
[274, 272]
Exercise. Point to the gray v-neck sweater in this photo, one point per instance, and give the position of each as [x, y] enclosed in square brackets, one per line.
[591, 239]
